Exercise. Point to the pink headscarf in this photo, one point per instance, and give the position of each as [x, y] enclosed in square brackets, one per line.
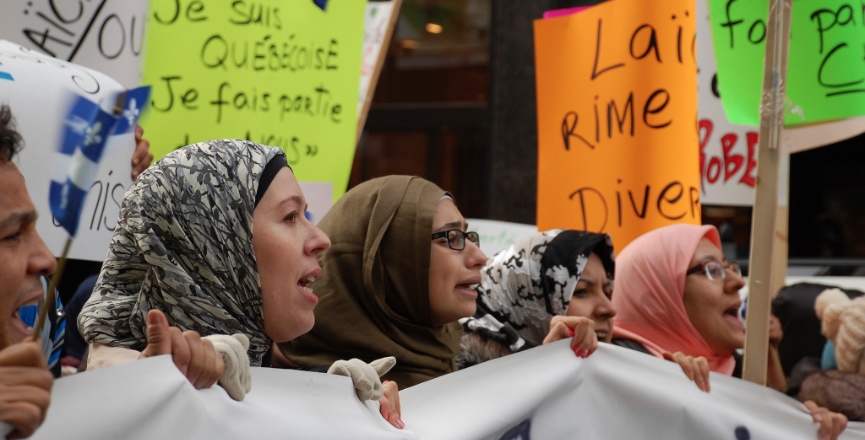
[648, 292]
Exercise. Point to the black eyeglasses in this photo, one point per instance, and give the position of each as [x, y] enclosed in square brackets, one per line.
[715, 270]
[456, 239]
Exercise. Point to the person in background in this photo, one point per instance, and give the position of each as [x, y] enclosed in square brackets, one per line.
[677, 297]
[401, 273]
[552, 285]
[75, 347]
[25, 382]
[55, 334]
[24, 403]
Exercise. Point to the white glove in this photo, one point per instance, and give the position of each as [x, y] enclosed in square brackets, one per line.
[365, 377]
[235, 378]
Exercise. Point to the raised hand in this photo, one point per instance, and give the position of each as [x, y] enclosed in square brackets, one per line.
[368, 386]
[25, 388]
[141, 157]
[696, 368]
[389, 404]
[832, 424]
[580, 329]
[196, 358]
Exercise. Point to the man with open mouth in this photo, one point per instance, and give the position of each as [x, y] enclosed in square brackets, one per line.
[24, 259]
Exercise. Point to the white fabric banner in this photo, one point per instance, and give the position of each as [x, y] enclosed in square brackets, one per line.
[547, 393]
[543, 393]
[150, 399]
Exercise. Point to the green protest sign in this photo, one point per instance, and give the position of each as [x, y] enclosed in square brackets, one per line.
[279, 73]
[826, 71]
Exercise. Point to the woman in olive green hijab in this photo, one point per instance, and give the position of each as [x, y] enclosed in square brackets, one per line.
[399, 275]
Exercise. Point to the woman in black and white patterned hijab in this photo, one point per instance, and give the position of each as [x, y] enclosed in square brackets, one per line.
[527, 288]
[184, 245]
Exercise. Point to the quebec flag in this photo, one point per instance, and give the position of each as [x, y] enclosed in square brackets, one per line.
[87, 128]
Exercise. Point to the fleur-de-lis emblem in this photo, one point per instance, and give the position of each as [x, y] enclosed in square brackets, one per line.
[91, 136]
[131, 113]
[64, 197]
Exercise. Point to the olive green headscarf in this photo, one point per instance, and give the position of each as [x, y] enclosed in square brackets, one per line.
[374, 289]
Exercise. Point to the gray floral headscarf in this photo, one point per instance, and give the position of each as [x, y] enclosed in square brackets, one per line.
[183, 245]
[527, 284]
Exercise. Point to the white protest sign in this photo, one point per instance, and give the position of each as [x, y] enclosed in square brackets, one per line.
[728, 152]
[105, 35]
[806, 137]
[38, 89]
[498, 235]
[319, 197]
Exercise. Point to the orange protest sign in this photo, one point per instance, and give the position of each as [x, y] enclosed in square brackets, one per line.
[617, 118]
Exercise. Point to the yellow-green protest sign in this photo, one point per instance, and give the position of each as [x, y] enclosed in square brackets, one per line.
[826, 67]
[279, 73]
[617, 114]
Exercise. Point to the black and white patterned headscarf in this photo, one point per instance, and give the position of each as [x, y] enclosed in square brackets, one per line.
[183, 245]
[525, 285]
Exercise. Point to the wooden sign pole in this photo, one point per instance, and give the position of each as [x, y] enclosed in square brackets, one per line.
[766, 198]
[379, 62]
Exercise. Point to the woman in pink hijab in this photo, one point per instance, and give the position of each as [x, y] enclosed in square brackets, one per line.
[677, 297]
[650, 297]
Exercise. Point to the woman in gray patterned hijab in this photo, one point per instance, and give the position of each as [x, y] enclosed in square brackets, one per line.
[185, 245]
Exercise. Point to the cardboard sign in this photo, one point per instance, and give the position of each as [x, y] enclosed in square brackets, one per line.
[826, 71]
[38, 89]
[277, 73]
[617, 118]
